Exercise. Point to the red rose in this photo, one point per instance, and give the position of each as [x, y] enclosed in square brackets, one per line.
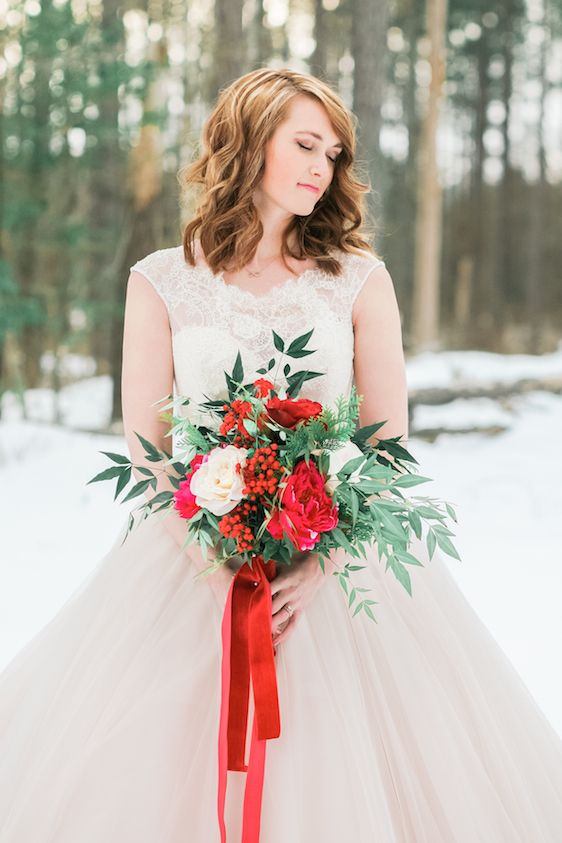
[264, 387]
[306, 510]
[184, 498]
[288, 412]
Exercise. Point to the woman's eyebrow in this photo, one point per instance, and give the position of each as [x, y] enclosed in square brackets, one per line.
[319, 137]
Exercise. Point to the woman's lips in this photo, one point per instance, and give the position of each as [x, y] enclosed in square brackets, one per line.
[309, 187]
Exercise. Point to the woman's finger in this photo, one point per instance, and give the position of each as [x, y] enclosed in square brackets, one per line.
[277, 639]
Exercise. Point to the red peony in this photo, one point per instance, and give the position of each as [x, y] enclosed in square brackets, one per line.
[264, 387]
[306, 510]
[288, 411]
[184, 498]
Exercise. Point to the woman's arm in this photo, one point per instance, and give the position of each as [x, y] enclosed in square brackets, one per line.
[147, 376]
[379, 367]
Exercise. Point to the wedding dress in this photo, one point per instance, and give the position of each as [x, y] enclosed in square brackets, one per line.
[415, 729]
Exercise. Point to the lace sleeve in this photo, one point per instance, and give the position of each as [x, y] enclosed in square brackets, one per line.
[363, 267]
[157, 268]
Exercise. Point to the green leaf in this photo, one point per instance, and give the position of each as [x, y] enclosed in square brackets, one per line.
[250, 425]
[415, 521]
[137, 489]
[401, 574]
[350, 466]
[396, 450]
[238, 370]
[407, 558]
[431, 542]
[299, 343]
[303, 352]
[161, 496]
[117, 457]
[369, 612]
[392, 524]
[363, 433]
[343, 541]
[296, 380]
[428, 512]
[451, 511]
[108, 474]
[122, 482]
[354, 508]
[277, 341]
[150, 449]
[144, 470]
[352, 596]
[407, 480]
[447, 546]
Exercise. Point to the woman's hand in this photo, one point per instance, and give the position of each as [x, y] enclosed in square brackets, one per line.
[295, 584]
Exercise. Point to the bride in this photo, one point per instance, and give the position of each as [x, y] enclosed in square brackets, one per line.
[416, 729]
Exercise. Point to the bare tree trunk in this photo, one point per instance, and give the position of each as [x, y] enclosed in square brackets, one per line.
[32, 337]
[536, 264]
[368, 47]
[413, 29]
[109, 207]
[229, 56]
[479, 211]
[259, 46]
[429, 203]
[504, 241]
[319, 58]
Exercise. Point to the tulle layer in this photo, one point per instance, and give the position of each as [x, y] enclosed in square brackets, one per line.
[416, 729]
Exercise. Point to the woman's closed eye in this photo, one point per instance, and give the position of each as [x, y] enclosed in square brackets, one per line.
[310, 148]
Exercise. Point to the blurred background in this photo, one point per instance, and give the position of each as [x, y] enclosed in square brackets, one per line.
[459, 122]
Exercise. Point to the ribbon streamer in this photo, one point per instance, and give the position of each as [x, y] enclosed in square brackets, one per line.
[247, 655]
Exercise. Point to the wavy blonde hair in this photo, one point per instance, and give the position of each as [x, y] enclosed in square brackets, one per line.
[231, 166]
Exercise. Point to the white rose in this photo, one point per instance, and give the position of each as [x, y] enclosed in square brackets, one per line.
[217, 484]
[337, 460]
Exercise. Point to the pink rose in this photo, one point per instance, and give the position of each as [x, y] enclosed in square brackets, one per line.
[306, 510]
[184, 498]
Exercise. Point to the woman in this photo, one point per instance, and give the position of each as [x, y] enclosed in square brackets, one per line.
[416, 730]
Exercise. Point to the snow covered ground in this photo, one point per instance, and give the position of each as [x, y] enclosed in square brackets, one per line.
[507, 490]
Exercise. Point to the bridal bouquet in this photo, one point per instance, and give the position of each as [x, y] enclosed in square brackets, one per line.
[268, 475]
[272, 474]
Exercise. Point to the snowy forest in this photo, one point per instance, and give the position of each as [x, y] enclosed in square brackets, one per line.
[459, 125]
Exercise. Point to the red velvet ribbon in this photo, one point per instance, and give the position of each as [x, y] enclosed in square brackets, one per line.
[247, 653]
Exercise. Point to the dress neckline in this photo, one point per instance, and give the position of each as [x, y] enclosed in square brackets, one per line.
[292, 281]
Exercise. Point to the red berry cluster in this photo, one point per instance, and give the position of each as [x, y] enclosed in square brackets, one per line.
[261, 472]
[234, 525]
[236, 412]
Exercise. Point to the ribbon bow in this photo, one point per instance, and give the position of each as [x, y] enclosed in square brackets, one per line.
[247, 652]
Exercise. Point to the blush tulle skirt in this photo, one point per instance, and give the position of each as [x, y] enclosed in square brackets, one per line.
[415, 729]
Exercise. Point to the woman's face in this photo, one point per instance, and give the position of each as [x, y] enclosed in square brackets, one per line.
[294, 157]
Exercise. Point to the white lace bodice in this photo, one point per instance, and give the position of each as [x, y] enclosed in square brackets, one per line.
[211, 320]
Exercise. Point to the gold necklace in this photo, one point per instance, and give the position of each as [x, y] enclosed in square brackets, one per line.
[255, 273]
